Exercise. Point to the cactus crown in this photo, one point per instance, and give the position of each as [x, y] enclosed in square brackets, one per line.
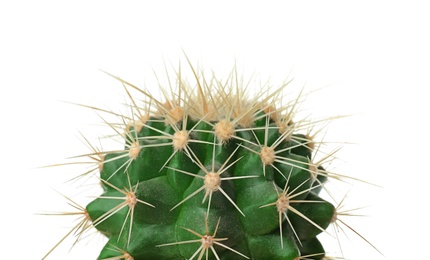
[210, 171]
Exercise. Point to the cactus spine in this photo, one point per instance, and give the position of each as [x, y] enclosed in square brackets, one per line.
[210, 171]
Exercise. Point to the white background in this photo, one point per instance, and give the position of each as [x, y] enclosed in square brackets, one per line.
[373, 58]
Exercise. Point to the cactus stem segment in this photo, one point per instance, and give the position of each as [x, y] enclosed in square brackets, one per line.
[207, 242]
[132, 150]
[129, 200]
[188, 152]
[212, 180]
[283, 204]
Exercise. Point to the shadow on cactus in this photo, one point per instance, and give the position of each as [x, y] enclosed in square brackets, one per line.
[215, 170]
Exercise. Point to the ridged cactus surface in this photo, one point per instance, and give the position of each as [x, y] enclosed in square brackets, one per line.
[215, 170]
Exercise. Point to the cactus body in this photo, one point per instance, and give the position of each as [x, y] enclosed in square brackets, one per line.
[211, 172]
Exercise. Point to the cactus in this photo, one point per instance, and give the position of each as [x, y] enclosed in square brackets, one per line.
[209, 171]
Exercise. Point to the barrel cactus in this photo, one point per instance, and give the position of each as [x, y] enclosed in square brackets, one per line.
[214, 170]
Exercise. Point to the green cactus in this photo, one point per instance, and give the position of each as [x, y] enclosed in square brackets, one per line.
[210, 171]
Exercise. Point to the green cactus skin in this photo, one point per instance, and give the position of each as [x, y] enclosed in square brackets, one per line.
[210, 172]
